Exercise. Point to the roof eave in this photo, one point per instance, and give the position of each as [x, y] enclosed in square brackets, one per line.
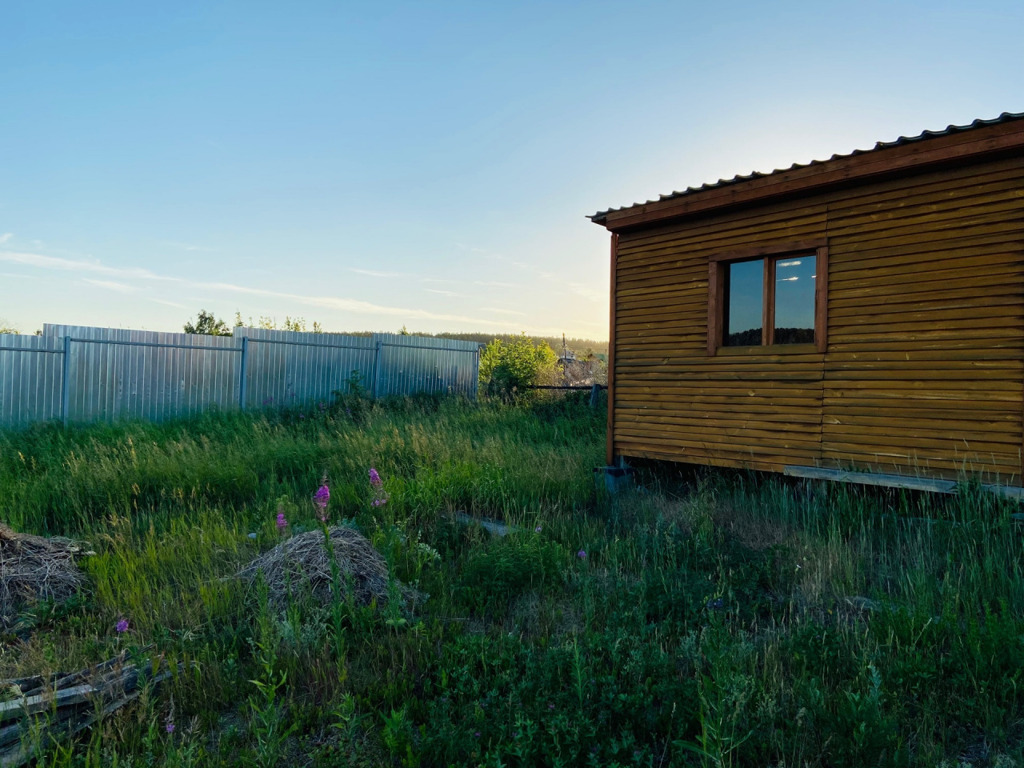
[1004, 135]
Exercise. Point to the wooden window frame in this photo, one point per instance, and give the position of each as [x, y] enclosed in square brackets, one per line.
[771, 254]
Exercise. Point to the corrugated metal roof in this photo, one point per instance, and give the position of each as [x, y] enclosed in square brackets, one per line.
[1005, 117]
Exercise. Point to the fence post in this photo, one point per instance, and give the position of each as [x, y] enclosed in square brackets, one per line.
[241, 373]
[65, 390]
[376, 369]
[476, 374]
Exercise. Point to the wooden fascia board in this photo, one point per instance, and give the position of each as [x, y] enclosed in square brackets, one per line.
[610, 438]
[919, 155]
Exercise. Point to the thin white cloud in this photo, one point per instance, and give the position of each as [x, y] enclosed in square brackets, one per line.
[110, 285]
[588, 292]
[444, 293]
[400, 276]
[5, 237]
[585, 290]
[478, 251]
[377, 273]
[189, 246]
[354, 306]
[346, 305]
[174, 304]
[73, 265]
[16, 275]
[495, 284]
[505, 311]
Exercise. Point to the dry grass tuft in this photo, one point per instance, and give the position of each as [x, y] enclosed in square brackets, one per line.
[34, 568]
[302, 562]
[751, 529]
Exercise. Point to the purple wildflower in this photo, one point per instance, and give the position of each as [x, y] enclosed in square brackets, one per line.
[476, 735]
[121, 626]
[282, 523]
[380, 496]
[537, 529]
[582, 554]
[321, 498]
[170, 727]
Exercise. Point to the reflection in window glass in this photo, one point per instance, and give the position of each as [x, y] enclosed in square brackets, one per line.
[744, 296]
[794, 299]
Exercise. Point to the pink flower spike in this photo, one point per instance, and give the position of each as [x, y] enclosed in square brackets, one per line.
[375, 480]
[322, 496]
[582, 554]
[121, 626]
[282, 523]
[379, 502]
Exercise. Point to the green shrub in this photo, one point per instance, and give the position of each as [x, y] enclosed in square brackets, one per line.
[507, 366]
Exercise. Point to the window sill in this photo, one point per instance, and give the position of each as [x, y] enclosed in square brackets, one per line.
[773, 349]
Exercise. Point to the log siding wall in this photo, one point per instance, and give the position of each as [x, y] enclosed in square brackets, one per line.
[924, 363]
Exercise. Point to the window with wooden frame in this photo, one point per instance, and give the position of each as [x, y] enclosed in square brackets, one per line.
[772, 296]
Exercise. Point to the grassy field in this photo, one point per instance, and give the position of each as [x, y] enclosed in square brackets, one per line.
[717, 620]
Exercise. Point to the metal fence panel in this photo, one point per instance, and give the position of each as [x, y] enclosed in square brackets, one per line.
[286, 368]
[116, 374]
[425, 364]
[82, 373]
[30, 379]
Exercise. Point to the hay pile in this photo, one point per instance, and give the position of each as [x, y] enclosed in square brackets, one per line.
[301, 562]
[34, 568]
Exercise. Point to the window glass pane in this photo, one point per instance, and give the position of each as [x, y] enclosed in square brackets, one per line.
[745, 296]
[794, 299]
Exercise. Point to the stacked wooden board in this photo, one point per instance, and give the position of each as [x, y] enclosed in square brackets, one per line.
[43, 710]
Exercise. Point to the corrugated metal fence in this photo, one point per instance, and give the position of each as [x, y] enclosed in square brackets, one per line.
[83, 374]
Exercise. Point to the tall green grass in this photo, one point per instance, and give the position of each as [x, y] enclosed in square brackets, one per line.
[438, 454]
[711, 620]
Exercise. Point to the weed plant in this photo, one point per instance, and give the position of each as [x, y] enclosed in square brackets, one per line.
[716, 620]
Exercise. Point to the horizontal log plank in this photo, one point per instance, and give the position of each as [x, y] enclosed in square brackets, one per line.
[875, 439]
[778, 439]
[866, 265]
[920, 459]
[920, 244]
[918, 293]
[704, 447]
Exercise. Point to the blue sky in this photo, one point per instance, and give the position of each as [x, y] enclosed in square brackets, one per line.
[374, 165]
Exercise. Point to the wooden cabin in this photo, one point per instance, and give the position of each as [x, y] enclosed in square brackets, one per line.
[860, 313]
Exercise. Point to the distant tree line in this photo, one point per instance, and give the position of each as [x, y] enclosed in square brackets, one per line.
[207, 324]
